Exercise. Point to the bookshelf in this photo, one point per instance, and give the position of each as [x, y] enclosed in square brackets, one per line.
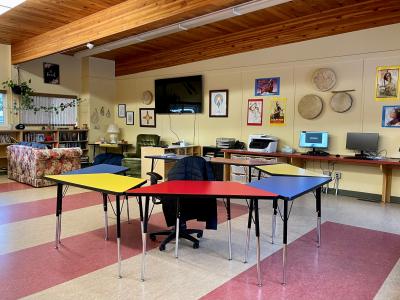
[57, 138]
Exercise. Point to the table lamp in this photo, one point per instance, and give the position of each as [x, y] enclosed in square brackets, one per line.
[113, 130]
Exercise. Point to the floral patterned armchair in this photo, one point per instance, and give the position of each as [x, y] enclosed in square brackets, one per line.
[29, 165]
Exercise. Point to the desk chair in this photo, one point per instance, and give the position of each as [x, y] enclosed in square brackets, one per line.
[188, 168]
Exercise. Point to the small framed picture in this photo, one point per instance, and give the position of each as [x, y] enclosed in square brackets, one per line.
[121, 110]
[51, 73]
[40, 137]
[267, 86]
[391, 116]
[387, 83]
[254, 112]
[130, 118]
[218, 106]
[147, 117]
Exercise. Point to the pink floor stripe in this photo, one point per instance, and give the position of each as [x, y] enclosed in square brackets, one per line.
[40, 208]
[13, 186]
[352, 263]
[34, 269]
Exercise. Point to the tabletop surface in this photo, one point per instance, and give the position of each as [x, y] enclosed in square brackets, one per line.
[283, 169]
[217, 160]
[289, 187]
[108, 183]
[204, 189]
[100, 168]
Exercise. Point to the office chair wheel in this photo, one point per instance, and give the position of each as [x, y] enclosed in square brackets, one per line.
[196, 245]
[200, 235]
[162, 247]
[152, 237]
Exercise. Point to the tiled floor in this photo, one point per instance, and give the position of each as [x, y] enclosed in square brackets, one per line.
[85, 266]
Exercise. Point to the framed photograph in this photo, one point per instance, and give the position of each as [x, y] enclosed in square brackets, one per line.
[277, 112]
[51, 73]
[40, 137]
[267, 86]
[130, 120]
[387, 83]
[391, 116]
[218, 106]
[254, 112]
[121, 110]
[147, 117]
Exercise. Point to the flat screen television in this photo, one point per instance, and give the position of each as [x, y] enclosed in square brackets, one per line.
[179, 95]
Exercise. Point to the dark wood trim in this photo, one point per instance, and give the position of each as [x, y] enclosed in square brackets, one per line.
[55, 95]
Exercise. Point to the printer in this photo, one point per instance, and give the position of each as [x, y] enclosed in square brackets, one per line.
[262, 143]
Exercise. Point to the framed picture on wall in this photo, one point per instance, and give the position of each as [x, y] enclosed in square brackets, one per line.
[254, 112]
[218, 103]
[267, 86]
[391, 116]
[147, 117]
[51, 73]
[130, 120]
[121, 110]
[277, 112]
[387, 83]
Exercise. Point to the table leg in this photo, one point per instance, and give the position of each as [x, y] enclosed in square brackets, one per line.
[105, 206]
[275, 206]
[257, 225]
[127, 208]
[318, 207]
[386, 183]
[177, 227]
[249, 220]
[58, 214]
[145, 220]
[118, 213]
[249, 174]
[152, 165]
[285, 221]
[228, 214]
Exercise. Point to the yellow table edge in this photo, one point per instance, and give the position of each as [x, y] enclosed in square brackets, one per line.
[284, 169]
[111, 183]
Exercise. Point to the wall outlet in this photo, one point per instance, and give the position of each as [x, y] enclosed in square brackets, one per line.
[327, 173]
[338, 175]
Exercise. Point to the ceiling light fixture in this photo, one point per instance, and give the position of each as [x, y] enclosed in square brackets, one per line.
[185, 25]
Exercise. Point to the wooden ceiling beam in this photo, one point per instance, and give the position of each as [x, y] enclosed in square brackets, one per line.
[340, 20]
[129, 17]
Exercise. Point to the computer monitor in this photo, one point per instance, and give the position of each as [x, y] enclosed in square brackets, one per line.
[363, 142]
[314, 139]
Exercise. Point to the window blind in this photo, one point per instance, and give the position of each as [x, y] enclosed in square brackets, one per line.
[68, 116]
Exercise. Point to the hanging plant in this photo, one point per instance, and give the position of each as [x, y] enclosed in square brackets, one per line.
[26, 98]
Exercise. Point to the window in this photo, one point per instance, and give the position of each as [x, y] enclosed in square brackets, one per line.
[3, 103]
[68, 116]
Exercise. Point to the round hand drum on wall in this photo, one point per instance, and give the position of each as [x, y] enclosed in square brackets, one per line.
[147, 97]
[341, 102]
[310, 106]
[324, 79]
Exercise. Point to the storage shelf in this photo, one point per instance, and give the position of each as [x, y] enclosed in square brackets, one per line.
[84, 141]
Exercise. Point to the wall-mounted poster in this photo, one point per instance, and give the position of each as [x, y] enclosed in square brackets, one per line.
[218, 103]
[391, 116]
[254, 112]
[51, 73]
[277, 115]
[147, 117]
[387, 83]
[267, 86]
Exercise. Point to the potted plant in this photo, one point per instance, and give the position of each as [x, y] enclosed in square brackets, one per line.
[23, 89]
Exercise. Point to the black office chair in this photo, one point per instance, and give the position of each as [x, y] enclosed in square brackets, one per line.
[204, 210]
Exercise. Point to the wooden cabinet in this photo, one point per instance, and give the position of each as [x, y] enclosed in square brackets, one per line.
[58, 138]
[162, 167]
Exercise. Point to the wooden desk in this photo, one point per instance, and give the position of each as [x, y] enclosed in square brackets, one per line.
[299, 160]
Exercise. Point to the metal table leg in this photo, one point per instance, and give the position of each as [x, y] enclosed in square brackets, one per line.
[177, 227]
[257, 225]
[228, 214]
[318, 207]
[105, 206]
[127, 208]
[249, 220]
[285, 221]
[144, 218]
[118, 213]
[58, 213]
[275, 206]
